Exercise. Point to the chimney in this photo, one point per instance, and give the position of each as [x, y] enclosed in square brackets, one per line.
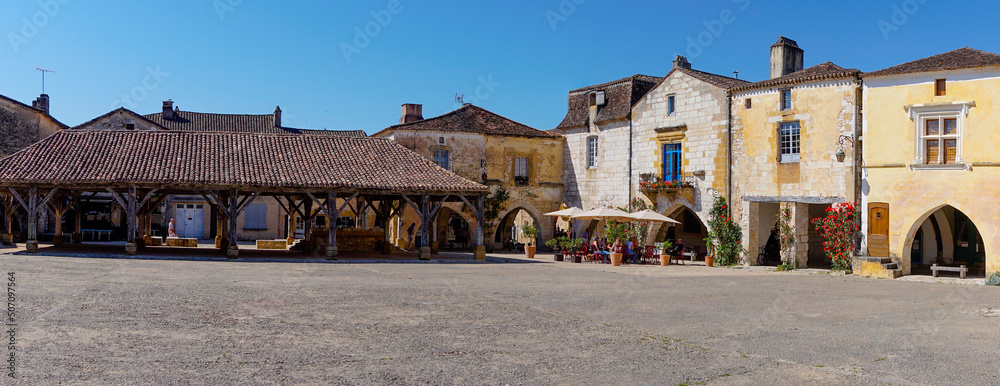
[168, 110]
[411, 113]
[42, 103]
[277, 116]
[682, 62]
[786, 57]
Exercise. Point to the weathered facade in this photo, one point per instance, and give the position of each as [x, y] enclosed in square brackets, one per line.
[22, 125]
[680, 144]
[786, 132]
[931, 162]
[599, 144]
[483, 146]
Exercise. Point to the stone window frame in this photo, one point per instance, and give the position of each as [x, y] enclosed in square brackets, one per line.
[519, 178]
[920, 114]
[794, 143]
[592, 148]
[671, 104]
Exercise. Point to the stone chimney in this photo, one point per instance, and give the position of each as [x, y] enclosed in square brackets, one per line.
[682, 62]
[277, 116]
[786, 57]
[41, 103]
[412, 113]
[168, 110]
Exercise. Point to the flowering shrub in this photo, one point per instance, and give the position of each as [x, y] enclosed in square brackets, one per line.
[786, 233]
[838, 228]
[724, 235]
[663, 185]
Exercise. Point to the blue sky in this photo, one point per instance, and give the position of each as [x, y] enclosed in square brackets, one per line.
[516, 58]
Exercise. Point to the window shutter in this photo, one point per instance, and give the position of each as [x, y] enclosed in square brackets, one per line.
[255, 217]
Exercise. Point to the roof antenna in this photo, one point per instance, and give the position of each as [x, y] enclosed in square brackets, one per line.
[460, 98]
[43, 77]
[736, 74]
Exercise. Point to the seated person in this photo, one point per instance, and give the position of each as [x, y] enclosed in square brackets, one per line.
[629, 251]
[678, 248]
[617, 246]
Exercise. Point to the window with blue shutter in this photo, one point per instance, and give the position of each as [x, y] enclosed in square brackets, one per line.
[672, 162]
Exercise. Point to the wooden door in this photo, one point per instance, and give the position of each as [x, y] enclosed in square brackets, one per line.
[878, 229]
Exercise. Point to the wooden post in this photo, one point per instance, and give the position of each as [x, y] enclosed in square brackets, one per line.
[77, 220]
[434, 235]
[291, 221]
[307, 209]
[233, 214]
[383, 212]
[332, 213]
[480, 251]
[32, 244]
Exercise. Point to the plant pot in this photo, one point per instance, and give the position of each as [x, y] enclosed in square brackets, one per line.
[57, 241]
[559, 257]
[664, 260]
[530, 252]
[616, 259]
[8, 239]
[577, 259]
[709, 261]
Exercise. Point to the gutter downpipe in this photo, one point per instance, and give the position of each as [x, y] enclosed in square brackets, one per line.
[630, 142]
[729, 151]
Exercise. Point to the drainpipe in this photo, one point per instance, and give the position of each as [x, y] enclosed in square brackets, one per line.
[729, 152]
[629, 204]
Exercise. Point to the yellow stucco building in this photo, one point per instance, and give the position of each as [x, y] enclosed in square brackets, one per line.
[931, 162]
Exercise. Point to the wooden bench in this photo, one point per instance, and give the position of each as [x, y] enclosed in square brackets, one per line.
[960, 269]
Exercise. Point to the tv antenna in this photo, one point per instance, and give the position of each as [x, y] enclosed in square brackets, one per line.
[460, 98]
[43, 71]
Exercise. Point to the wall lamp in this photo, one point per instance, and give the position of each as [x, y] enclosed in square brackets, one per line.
[840, 149]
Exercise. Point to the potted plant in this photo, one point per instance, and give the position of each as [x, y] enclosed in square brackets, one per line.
[710, 254]
[531, 231]
[575, 245]
[558, 245]
[664, 248]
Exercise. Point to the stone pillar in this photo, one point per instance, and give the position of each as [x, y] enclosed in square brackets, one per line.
[751, 238]
[800, 225]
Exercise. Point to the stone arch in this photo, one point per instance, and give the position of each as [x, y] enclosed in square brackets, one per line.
[441, 224]
[944, 225]
[659, 231]
[505, 220]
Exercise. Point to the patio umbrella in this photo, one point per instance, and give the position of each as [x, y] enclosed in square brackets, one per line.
[568, 212]
[604, 214]
[651, 216]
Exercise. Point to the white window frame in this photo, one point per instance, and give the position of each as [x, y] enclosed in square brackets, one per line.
[920, 114]
[592, 151]
[797, 138]
[521, 168]
[447, 158]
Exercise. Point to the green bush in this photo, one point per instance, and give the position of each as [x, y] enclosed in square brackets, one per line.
[994, 279]
[785, 267]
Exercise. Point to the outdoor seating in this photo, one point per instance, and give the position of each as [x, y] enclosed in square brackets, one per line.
[649, 255]
[678, 256]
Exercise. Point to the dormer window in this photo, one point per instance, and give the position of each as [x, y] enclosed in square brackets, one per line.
[129, 126]
[597, 98]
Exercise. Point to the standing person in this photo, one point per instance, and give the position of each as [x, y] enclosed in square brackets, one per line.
[409, 236]
[171, 232]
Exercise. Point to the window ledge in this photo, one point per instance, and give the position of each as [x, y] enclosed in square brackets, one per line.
[961, 166]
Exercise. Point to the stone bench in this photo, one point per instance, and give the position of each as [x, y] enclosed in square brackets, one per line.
[962, 270]
[182, 242]
[272, 244]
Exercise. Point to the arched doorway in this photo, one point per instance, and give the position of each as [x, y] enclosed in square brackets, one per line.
[509, 234]
[691, 230]
[453, 231]
[946, 237]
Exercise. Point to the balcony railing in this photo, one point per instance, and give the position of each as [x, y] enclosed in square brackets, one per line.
[654, 183]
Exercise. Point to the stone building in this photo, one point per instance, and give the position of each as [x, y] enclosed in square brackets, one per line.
[263, 220]
[786, 133]
[598, 127]
[482, 146]
[931, 162]
[680, 157]
[22, 125]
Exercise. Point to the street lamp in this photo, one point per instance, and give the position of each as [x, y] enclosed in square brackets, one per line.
[840, 149]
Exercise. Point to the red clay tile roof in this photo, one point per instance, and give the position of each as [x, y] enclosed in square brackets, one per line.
[470, 119]
[713, 79]
[620, 96]
[820, 72]
[953, 60]
[236, 123]
[207, 160]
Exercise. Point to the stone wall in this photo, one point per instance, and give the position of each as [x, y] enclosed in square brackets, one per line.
[21, 126]
[607, 184]
[825, 110]
[699, 124]
[117, 121]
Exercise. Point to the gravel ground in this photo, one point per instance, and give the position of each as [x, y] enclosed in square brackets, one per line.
[513, 321]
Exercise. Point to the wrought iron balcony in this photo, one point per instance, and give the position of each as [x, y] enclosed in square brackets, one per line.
[652, 183]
